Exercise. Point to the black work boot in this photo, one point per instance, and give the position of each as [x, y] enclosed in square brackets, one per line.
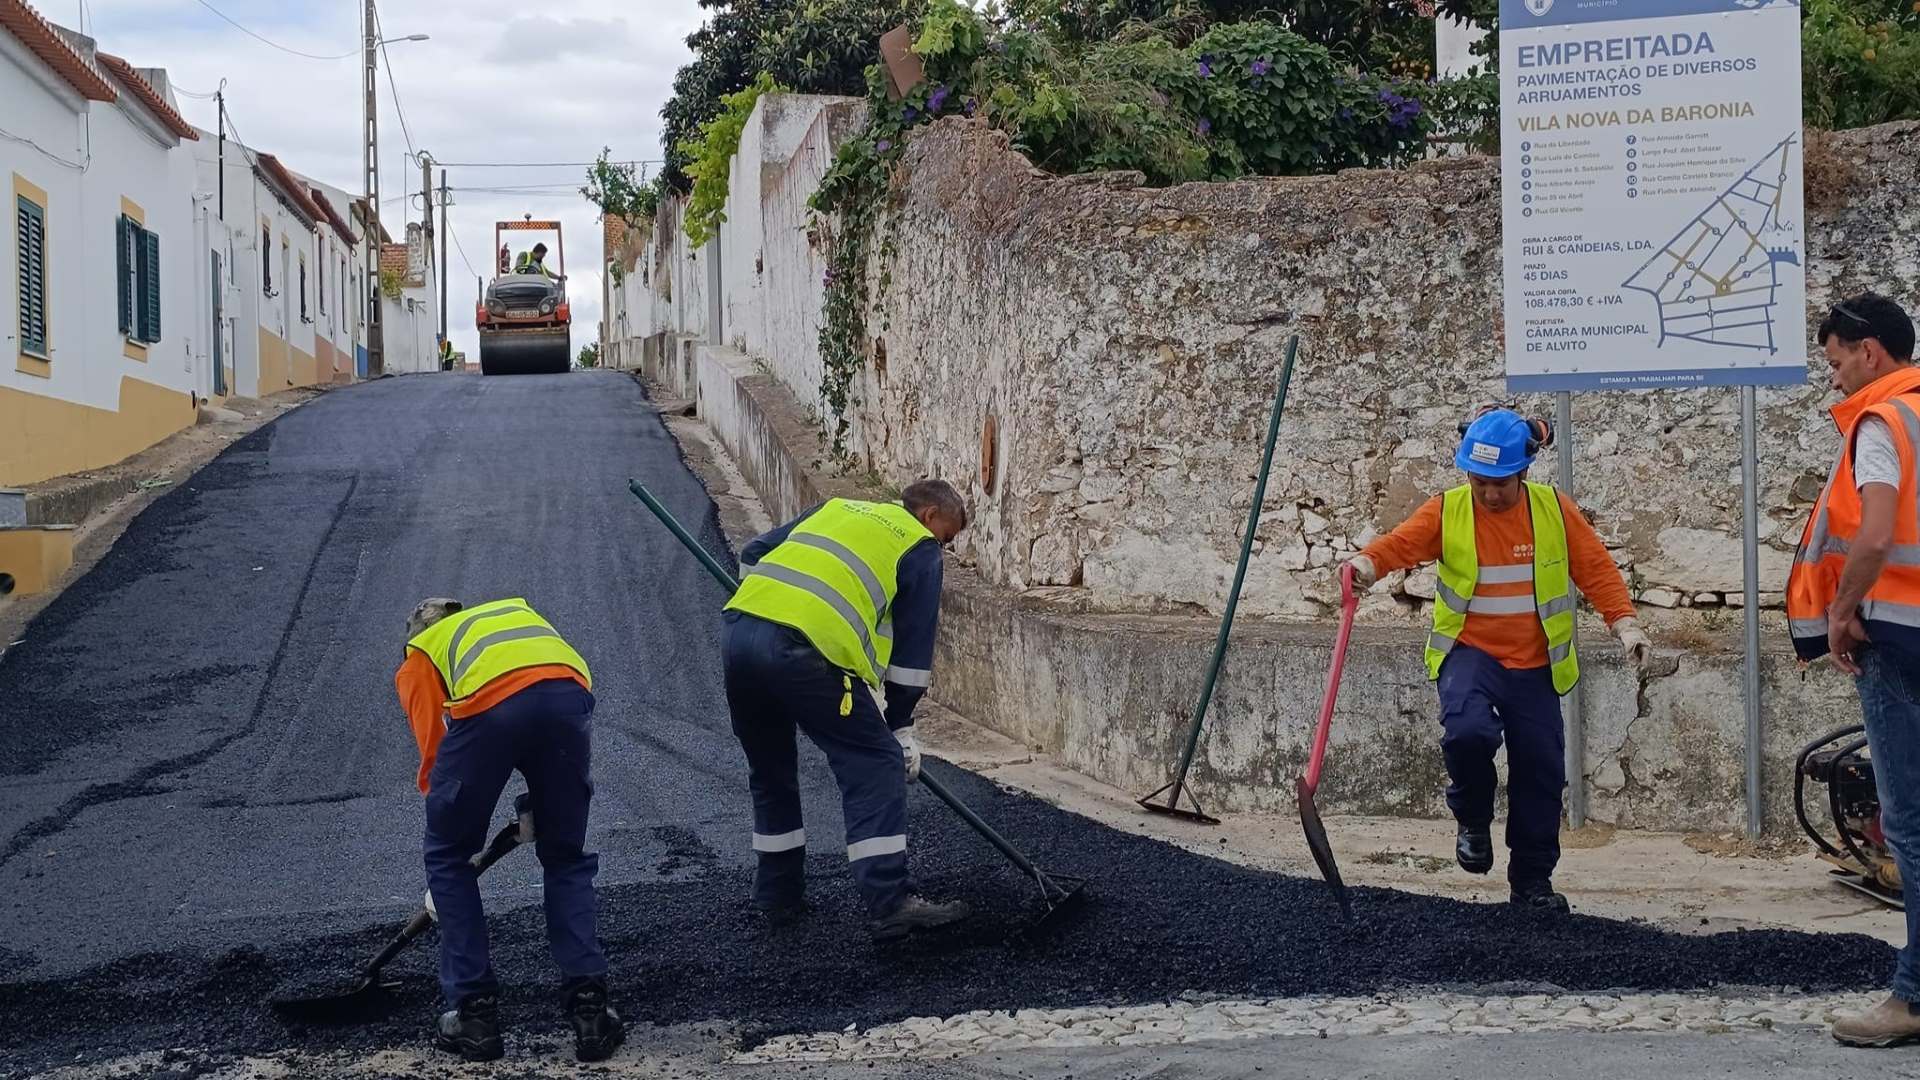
[597, 1030]
[1539, 896]
[1473, 847]
[472, 1030]
[917, 913]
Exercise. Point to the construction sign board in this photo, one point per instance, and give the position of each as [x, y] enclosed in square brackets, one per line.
[1652, 209]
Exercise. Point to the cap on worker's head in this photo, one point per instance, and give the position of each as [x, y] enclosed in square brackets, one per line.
[539, 249]
[1498, 444]
[430, 611]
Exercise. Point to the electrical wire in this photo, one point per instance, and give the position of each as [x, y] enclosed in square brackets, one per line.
[413, 152]
[268, 41]
[540, 164]
[50, 155]
[455, 233]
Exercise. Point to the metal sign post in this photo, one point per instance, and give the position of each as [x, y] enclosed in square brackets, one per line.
[1750, 485]
[1576, 716]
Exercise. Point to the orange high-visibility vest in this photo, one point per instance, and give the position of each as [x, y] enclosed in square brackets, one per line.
[1891, 610]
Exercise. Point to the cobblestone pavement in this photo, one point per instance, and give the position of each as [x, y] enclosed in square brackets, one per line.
[1194, 1021]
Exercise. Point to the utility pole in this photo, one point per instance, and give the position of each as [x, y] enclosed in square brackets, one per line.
[426, 210]
[445, 267]
[220, 99]
[370, 161]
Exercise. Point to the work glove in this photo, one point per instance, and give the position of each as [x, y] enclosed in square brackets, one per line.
[1638, 645]
[910, 748]
[1364, 575]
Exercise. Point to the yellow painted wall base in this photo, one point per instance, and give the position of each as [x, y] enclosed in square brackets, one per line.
[43, 437]
[275, 373]
[35, 557]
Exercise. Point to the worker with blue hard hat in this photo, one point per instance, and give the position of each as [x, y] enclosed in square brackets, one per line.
[1508, 553]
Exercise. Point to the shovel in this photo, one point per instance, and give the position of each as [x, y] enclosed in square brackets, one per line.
[1305, 787]
[1061, 893]
[369, 997]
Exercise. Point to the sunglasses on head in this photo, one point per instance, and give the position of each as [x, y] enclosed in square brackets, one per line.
[1857, 319]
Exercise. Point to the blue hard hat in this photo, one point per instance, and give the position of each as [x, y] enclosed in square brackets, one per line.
[1497, 445]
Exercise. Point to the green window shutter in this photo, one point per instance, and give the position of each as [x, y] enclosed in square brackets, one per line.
[303, 291]
[266, 260]
[31, 267]
[149, 286]
[124, 258]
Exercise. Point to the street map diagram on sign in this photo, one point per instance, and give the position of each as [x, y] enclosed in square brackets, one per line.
[1718, 280]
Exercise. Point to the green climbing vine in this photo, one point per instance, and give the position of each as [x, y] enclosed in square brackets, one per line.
[710, 157]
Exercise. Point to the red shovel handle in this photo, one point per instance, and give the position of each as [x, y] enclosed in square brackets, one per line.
[1348, 604]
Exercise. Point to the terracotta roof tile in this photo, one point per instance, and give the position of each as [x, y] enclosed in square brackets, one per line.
[290, 191]
[168, 116]
[333, 216]
[40, 37]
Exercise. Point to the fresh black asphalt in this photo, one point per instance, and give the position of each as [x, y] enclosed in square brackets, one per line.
[206, 788]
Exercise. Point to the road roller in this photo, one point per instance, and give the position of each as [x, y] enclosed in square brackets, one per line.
[524, 322]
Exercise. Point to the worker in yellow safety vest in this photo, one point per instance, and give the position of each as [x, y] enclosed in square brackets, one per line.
[1508, 553]
[490, 690]
[533, 262]
[842, 599]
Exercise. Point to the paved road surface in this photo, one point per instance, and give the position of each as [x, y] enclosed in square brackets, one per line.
[206, 791]
[201, 743]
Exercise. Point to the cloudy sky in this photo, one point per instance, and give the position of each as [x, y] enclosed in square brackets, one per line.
[498, 81]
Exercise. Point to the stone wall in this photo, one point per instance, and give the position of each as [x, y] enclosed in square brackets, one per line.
[1093, 363]
[1127, 341]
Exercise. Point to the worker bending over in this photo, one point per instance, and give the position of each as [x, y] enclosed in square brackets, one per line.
[845, 597]
[1854, 594]
[1508, 551]
[491, 690]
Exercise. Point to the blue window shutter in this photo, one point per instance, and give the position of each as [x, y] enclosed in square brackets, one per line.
[149, 286]
[31, 266]
[124, 257]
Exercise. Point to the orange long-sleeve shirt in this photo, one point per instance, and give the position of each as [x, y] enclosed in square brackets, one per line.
[1506, 539]
[423, 694]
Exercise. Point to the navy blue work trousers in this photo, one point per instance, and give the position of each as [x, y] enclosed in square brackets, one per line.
[1481, 704]
[778, 682]
[545, 732]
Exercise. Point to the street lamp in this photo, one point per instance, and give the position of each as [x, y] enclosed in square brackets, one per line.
[409, 37]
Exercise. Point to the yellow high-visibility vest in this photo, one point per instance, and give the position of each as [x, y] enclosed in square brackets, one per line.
[834, 579]
[476, 645]
[1459, 574]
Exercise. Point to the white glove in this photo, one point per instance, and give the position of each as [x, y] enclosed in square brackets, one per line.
[1364, 575]
[1638, 645]
[432, 912]
[910, 748]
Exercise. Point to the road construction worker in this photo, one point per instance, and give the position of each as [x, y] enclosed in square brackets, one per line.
[1501, 648]
[490, 690]
[843, 598]
[1854, 594]
[533, 262]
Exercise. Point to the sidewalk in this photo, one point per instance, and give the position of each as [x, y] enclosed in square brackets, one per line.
[1687, 883]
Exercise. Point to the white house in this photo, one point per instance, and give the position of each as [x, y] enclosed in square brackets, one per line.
[98, 259]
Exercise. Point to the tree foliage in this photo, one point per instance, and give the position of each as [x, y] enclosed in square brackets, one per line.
[810, 46]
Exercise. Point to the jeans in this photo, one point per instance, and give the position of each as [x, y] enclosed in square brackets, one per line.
[1483, 704]
[777, 682]
[1889, 683]
[545, 732]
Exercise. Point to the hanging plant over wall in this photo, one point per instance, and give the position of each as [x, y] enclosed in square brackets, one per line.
[711, 156]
